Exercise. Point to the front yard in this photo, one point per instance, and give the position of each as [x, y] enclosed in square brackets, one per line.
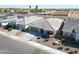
[66, 44]
[70, 44]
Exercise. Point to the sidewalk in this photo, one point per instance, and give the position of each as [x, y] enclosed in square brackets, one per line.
[34, 44]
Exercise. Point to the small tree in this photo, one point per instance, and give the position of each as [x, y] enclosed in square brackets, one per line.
[5, 11]
[0, 10]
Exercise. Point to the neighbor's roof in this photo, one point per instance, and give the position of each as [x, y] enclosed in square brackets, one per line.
[48, 24]
[9, 19]
[42, 24]
[69, 25]
[31, 19]
[55, 22]
[6, 16]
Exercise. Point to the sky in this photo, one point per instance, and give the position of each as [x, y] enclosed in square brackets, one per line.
[41, 6]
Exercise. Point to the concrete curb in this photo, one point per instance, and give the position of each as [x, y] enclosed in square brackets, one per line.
[34, 44]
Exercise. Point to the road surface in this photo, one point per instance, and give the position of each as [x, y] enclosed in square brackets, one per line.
[9, 46]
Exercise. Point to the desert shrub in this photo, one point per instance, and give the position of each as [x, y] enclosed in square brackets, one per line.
[9, 29]
[66, 37]
[7, 26]
[60, 48]
[54, 44]
[38, 37]
[23, 30]
[67, 49]
[45, 40]
[71, 52]
[75, 52]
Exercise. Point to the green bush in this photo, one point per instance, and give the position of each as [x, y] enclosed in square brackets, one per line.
[76, 42]
[60, 48]
[75, 52]
[23, 30]
[71, 52]
[68, 37]
[9, 29]
[67, 49]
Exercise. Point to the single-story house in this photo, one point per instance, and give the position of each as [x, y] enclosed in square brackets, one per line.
[36, 24]
[14, 20]
[71, 28]
[45, 26]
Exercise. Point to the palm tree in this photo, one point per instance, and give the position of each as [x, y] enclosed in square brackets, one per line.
[29, 6]
[36, 9]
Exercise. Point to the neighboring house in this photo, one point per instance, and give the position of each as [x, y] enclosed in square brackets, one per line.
[13, 20]
[71, 28]
[45, 26]
[36, 24]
